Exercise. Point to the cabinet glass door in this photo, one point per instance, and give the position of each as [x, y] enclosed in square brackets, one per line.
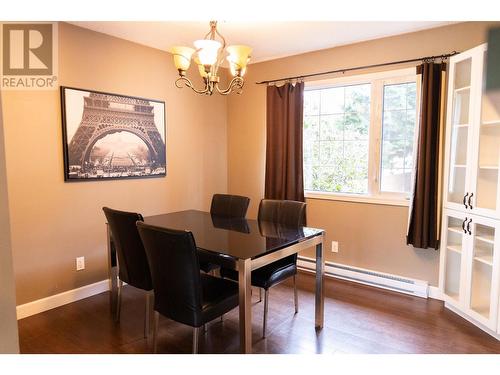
[460, 131]
[483, 273]
[488, 160]
[454, 246]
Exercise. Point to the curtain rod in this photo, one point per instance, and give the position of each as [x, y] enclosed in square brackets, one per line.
[443, 57]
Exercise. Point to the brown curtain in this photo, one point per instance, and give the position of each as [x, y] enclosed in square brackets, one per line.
[423, 231]
[284, 175]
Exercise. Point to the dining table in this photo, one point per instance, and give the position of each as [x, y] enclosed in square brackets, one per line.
[241, 244]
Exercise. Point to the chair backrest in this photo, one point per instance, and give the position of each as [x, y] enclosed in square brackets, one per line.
[287, 213]
[132, 261]
[284, 212]
[227, 205]
[173, 260]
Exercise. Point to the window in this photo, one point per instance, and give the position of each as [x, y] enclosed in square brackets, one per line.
[336, 125]
[359, 136]
[398, 130]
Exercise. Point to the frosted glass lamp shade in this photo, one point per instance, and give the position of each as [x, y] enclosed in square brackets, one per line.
[238, 58]
[201, 67]
[182, 57]
[208, 50]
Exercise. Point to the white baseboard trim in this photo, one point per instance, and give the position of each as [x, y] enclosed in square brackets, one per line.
[472, 320]
[435, 293]
[51, 302]
[400, 284]
[305, 264]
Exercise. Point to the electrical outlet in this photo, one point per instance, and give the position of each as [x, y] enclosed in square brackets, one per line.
[80, 263]
[335, 247]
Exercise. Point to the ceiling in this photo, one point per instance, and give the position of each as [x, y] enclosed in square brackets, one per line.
[269, 40]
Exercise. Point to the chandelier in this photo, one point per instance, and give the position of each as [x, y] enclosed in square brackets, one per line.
[209, 54]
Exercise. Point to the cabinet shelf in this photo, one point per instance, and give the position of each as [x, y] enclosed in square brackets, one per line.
[490, 123]
[452, 295]
[460, 89]
[492, 167]
[460, 125]
[488, 238]
[486, 259]
[455, 248]
[459, 165]
[482, 310]
[456, 230]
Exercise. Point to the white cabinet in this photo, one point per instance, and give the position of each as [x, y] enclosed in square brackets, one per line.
[470, 239]
[453, 248]
[482, 266]
[470, 265]
[472, 151]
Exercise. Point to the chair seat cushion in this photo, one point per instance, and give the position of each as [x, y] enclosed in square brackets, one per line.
[269, 275]
[219, 296]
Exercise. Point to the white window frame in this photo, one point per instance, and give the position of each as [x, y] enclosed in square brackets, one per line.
[377, 81]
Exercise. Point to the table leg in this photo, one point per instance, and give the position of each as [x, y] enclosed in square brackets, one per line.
[244, 279]
[112, 274]
[320, 298]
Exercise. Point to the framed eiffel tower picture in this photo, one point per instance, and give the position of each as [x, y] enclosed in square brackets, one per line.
[110, 136]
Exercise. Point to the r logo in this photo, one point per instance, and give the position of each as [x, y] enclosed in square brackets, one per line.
[27, 49]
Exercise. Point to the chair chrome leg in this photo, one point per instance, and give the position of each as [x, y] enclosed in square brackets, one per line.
[205, 329]
[148, 313]
[295, 294]
[260, 295]
[155, 330]
[266, 305]
[119, 301]
[196, 334]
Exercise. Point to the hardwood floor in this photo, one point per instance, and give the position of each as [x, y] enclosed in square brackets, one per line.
[358, 319]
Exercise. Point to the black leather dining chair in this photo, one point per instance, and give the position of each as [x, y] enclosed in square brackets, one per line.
[289, 214]
[182, 292]
[224, 206]
[133, 267]
[227, 205]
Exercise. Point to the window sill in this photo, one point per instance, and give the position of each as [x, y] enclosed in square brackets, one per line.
[388, 201]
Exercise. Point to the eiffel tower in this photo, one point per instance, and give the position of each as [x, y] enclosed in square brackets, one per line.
[105, 114]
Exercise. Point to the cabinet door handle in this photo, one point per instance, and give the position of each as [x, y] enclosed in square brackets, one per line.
[468, 226]
[465, 200]
[470, 200]
[463, 226]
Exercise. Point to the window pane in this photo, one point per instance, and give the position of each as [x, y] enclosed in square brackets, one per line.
[398, 129]
[332, 127]
[336, 156]
[332, 100]
[395, 97]
[357, 99]
[311, 128]
[311, 102]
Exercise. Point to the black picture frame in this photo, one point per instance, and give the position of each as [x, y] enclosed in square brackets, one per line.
[104, 114]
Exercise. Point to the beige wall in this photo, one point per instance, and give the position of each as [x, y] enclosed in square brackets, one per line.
[9, 342]
[371, 236]
[54, 222]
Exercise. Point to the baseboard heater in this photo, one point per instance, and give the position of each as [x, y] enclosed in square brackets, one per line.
[382, 280]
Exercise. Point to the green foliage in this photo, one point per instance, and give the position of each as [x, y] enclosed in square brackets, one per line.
[336, 139]
[336, 135]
